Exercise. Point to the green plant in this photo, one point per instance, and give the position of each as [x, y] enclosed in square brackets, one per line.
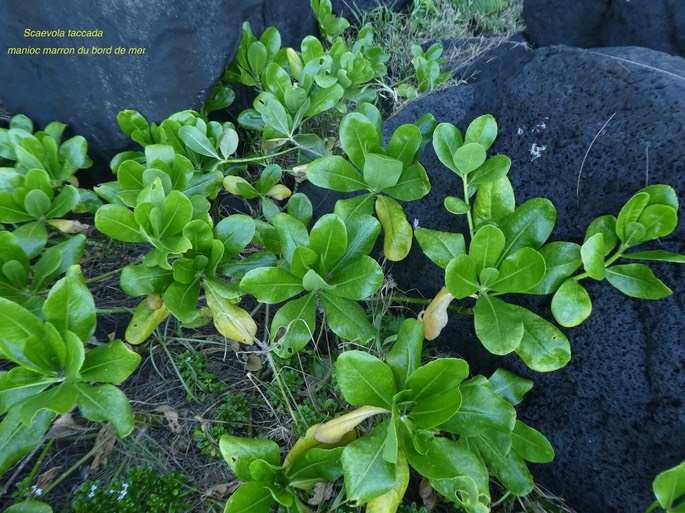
[36, 188]
[54, 371]
[669, 489]
[388, 175]
[231, 415]
[331, 264]
[194, 370]
[28, 268]
[428, 66]
[265, 480]
[507, 252]
[143, 490]
[427, 407]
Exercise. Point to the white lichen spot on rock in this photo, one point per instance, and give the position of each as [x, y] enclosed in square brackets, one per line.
[520, 131]
[536, 150]
[416, 223]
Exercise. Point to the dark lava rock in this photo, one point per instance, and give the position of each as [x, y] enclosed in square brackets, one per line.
[184, 48]
[586, 129]
[657, 24]
[349, 8]
[294, 19]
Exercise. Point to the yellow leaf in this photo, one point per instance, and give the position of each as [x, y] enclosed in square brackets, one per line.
[332, 431]
[66, 226]
[390, 501]
[309, 441]
[230, 320]
[279, 192]
[397, 232]
[231, 182]
[434, 317]
[145, 320]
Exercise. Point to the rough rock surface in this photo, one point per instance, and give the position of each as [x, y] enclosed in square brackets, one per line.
[294, 19]
[348, 8]
[615, 414]
[657, 24]
[186, 46]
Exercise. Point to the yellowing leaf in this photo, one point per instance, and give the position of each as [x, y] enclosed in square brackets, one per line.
[231, 184]
[389, 501]
[66, 226]
[145, 319]
[332, 431]
[309, 441]
[279, 192]
[434, 318]
[230, 320]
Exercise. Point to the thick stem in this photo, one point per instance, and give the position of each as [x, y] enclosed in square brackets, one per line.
[619, 253]
[103, 276]
[114, 311]
[39, 462]
[421, 301]
[304, 148]
[652, 507]
[469, 218]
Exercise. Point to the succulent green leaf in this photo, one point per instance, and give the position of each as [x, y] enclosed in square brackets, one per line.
[291, 234]
[571, 304]
[365, 380]
[17, 440]
[440, 247]
[543, 347]
[335, 173]
[118, 222]
[70, 306]
[32, 238]
[293, 326]
[507, 465]
[29, 507]
[181, 299]
[498, 325]
[482, 130]
[461, 276]
[250, 497]
[358, 280]
[481, 408]
[271, 284]
[18, 384]
[105, 403]
[606, 225]
[18, 329]
[381, 172]
[530, 444]
[510, 386]
[404, 144]
[328, 239]
[468, 158]
[446, 141]
[637, 280]
[138, 280]
[456, 206]
[494, 202]
[358, 137]
[437, 377]
[367, 474]
[669, 486]
[109, 363]
[59, 399]
[562, 259]
[492, 169]
[362, 232]
[657, 255]
[520, 271]
[317, 464]
[529, 226]
[241, 452]
[405, 355]
[197, 141]
[347, 318]
[486, 246]
[630, 213]
[592, 254]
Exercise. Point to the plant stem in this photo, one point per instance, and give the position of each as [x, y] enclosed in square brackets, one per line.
[469, 218]
[76, 465]
[421, 301]
[103, 276]
[113, 311]
[39, 462]
[304, 148]
[251, 159]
